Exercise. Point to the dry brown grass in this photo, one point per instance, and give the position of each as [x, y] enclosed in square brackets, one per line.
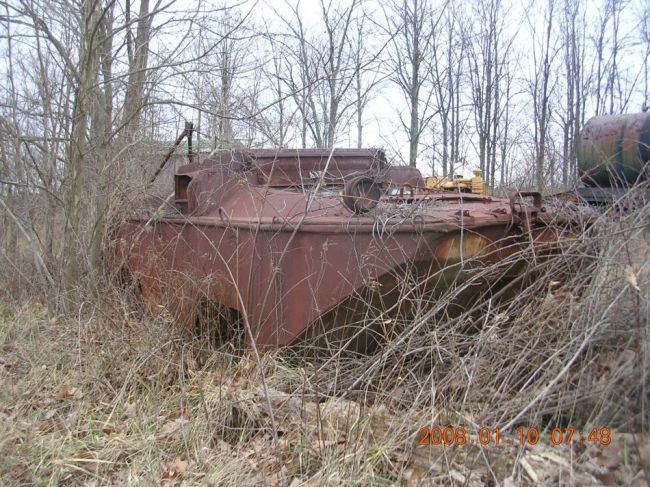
[109, 397]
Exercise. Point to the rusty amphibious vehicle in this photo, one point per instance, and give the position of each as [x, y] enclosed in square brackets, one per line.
[284, 243]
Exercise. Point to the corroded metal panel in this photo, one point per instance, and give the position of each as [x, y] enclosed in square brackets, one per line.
[276, 236]
[614, 149]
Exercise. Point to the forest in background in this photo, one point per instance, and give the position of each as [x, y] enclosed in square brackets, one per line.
[93, 93]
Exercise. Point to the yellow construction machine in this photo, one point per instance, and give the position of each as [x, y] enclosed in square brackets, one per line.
[458, 182]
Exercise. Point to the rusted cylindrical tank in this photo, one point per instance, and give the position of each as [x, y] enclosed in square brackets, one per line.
[614, 148]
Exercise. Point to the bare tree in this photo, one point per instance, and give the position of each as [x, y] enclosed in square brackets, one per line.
[613, 87]
[645, 42]
[489, 50]
[572, 115]
[410, 33]
[229, 60]
[447, 71]
[323, 71]
[541, 86]
[275, 124]
[504, 136]
[88, 113]
[367, 74]
[138, 54]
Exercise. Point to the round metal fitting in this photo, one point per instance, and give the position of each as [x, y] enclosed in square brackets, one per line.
[361, 194]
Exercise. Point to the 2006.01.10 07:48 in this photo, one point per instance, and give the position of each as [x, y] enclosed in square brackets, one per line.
[458, 436]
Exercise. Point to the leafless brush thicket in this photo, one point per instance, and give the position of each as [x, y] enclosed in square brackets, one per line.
[564, 344]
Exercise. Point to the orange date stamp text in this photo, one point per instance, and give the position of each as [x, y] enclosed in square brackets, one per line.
[460, 436]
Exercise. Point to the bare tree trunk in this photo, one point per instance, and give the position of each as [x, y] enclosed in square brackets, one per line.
[600, 61]
[442, 81]
[504, 139]
[541, 93]
[9, 225]
[366, 75]
[410, 38]
[359, 103]
[138, 52]
[225, 127]
[414, 94]
[102, 132]
[645, 41]
[571, 88]
[79, 147]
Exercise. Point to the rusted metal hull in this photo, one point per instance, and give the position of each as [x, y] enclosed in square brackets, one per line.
[280, 280]
[282, 258]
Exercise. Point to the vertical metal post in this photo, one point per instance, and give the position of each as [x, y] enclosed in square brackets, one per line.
[189, 129]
